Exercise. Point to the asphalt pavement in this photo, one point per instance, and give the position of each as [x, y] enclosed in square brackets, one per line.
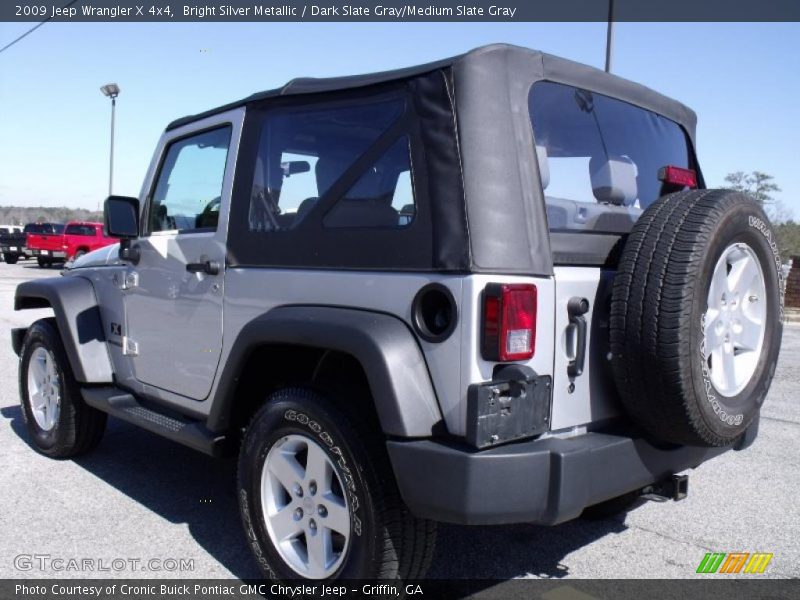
[141, 506]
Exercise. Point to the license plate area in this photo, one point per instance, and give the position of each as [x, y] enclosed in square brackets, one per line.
[515, 405]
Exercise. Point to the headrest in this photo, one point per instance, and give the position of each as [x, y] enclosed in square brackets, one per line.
[544, 166]
[328, 170]
[614, 180]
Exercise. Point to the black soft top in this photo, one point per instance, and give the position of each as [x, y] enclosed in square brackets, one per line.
[549, 67]
[479, 166]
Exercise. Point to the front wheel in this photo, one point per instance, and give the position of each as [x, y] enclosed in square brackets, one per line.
[60, 423]
[318, 498]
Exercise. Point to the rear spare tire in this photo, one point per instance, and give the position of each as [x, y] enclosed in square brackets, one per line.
[697, 317]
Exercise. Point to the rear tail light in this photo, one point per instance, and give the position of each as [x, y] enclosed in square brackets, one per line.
[509, 322]
[678, 176]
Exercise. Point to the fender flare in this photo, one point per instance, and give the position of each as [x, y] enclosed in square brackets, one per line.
[392, 360]
[77, 315]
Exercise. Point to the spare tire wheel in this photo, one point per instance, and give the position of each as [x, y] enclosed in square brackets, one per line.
[697, 317]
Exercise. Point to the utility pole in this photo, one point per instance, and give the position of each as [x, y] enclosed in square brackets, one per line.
[610, 36]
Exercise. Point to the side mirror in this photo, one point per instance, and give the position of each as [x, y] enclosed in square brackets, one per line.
[121, 220]
[121, 217]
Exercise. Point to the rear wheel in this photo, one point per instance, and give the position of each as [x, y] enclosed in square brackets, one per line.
[11, 259]
[318, 497]
[696, 317]
[61, 424]
[42, 262]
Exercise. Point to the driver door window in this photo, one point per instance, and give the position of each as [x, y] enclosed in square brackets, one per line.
[189, 187]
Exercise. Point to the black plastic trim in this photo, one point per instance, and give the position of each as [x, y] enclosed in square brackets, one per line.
[516, 404]
[384, 346]
[125, 406]
[78, 317]
[17, 338]
[418, 320]
[544, 481]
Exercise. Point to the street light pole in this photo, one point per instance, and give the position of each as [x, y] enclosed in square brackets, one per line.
[111, 152]
[111, 90]
[610, 35]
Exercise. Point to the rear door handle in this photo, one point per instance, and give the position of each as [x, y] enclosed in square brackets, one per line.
[576, 308]
[209, 267]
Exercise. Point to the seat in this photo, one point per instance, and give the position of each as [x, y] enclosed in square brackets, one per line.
[557, 215]
[365, 204]
[614, 180]
[544, 166]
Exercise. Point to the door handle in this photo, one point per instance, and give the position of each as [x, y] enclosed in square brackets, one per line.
[209, 267]
[576, 308]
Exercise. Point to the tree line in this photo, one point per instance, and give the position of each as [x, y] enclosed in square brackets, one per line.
[761, 186]
[22, 215]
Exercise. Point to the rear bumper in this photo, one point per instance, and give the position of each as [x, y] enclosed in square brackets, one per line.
[544, 481]
[55, 254]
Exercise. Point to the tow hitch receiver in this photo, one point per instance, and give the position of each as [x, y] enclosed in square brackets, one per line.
[675, 487]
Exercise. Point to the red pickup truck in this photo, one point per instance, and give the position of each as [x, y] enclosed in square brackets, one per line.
[77, 239]
[46, 243]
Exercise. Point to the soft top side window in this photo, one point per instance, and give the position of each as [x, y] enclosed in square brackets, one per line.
[305, 152]
[599, 157]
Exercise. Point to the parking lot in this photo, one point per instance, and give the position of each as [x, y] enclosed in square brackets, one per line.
[150, 504]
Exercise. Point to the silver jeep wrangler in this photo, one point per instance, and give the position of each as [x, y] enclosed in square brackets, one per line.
[491, 289]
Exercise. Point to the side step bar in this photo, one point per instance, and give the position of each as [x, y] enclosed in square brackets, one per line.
[125, 406]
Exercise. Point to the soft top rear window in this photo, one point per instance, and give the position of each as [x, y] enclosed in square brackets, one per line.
[599, 157]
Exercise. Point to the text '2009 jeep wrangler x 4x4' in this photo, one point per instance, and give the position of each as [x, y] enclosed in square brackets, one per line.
[486, 290]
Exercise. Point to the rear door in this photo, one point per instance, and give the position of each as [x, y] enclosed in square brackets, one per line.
[173, 307]
[599, 160]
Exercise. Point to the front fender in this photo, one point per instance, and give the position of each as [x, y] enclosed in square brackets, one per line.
[387, 350]
[78, 318]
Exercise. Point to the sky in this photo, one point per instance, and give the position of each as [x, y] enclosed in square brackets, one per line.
[742, 79]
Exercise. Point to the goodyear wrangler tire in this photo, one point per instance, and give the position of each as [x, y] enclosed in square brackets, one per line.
[696, 317]
[318, 498]
[60, 423]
